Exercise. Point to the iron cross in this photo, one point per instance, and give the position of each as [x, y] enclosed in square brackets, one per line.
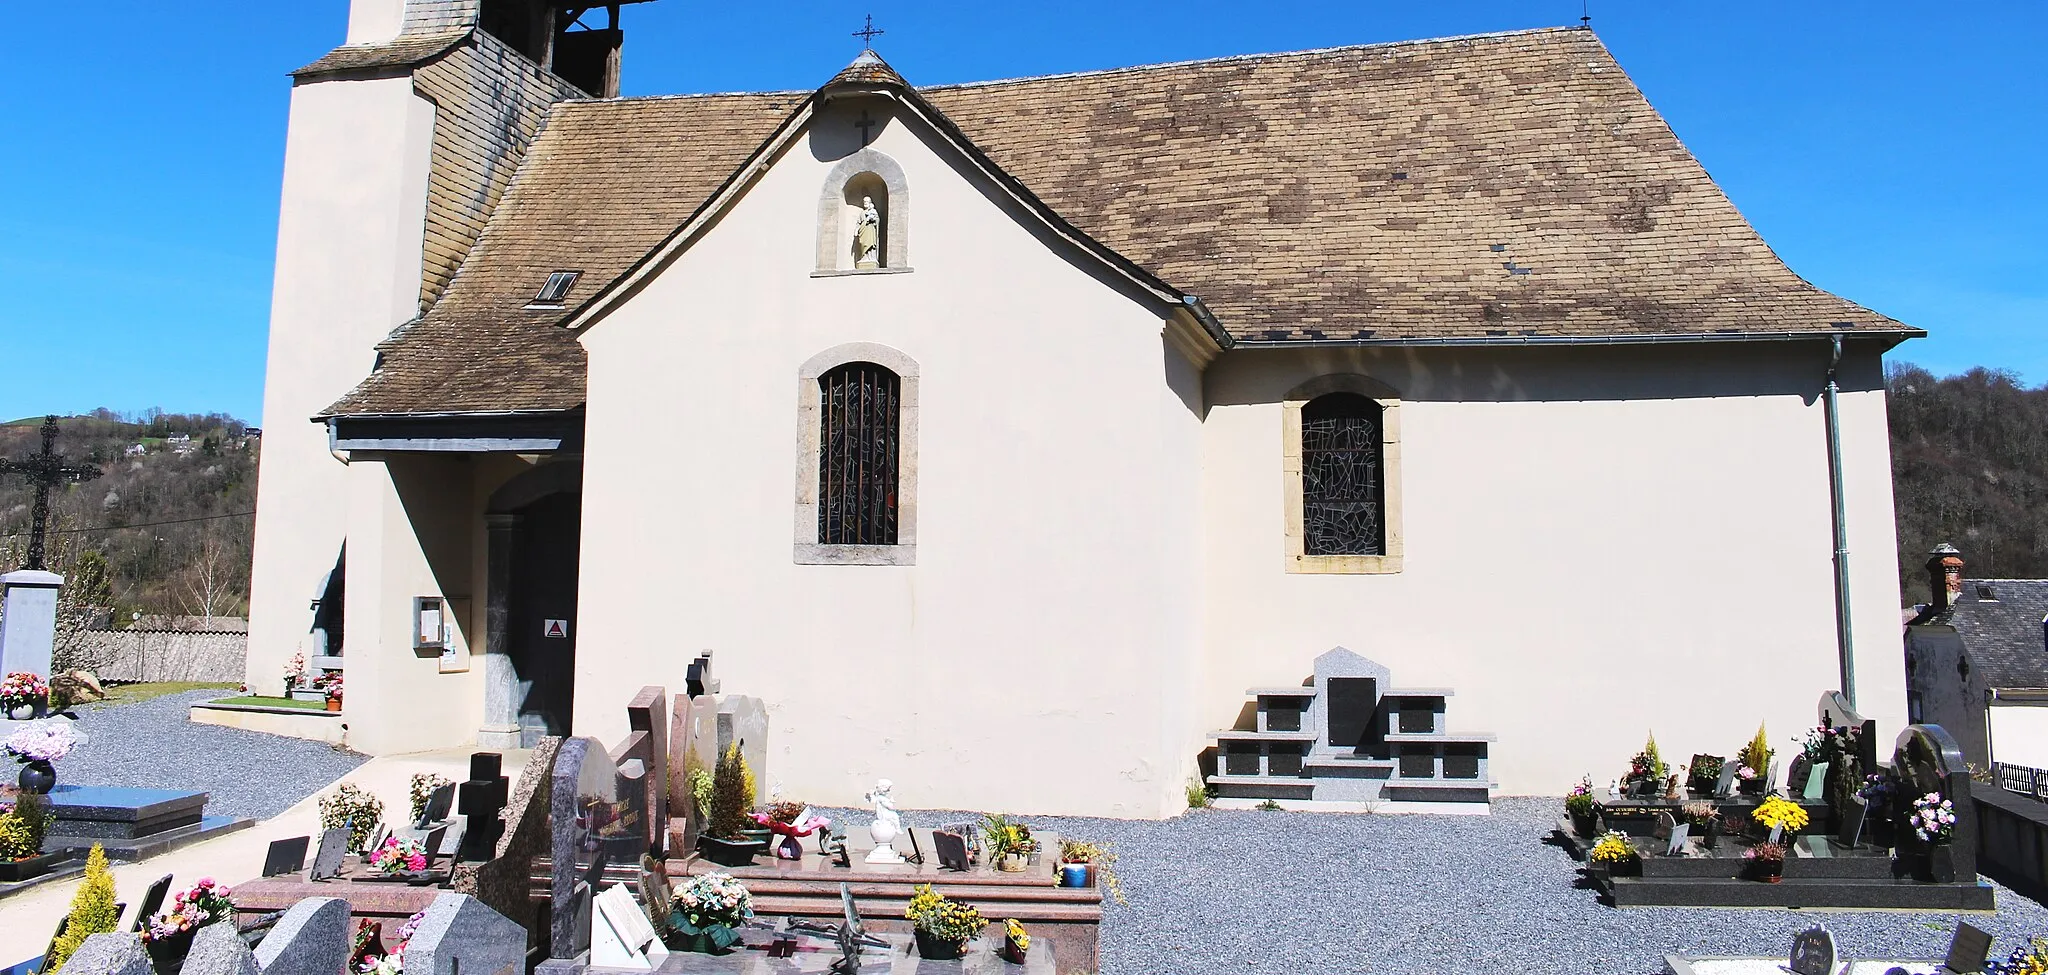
[868, 34]
[45, 470]
[864, 125]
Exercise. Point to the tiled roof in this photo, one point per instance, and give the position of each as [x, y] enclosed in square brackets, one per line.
[402, 51]
[1483, 188]
[2003, 634]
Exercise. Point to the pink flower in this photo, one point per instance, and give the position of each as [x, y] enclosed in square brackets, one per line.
[417, 862]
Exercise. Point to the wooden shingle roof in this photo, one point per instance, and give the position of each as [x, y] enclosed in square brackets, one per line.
[1493, 188]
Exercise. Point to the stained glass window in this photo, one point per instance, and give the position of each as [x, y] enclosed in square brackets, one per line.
[1342, 496]
[859, 408]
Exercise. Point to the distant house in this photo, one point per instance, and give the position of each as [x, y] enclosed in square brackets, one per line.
[135, 450]
[1977, 662]
[178, 438]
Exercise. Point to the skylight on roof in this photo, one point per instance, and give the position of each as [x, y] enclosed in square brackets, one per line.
[557, 287]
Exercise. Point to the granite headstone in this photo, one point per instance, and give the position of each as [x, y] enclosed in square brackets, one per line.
[218, 950]
[113, 953]
[312, 938]
[439, 803]
[458, 934]
[1967, 950]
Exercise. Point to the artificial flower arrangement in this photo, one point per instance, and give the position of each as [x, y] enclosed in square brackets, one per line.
[1777, 813]
[422, 791]
[1705, 771]
[1580, 801]
[1009, 843]
[1614, 848]
[348, 806]
[942, 925]
[1876, 791]
[392, 961]
[791, 821]
[329, 682]
[399, 856]
[202, 904]
[1016, 943]
[2027, 959]
[23, 690]
[295, 672]
[1814, 744]
[44, 741]
[706, 909]
[1646, 766]
[1933, 818]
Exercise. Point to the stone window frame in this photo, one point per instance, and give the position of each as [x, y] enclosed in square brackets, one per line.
[895, 219]
[1296, 557]
[809, 413]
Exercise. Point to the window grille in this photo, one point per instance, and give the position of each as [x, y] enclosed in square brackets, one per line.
[859, 411]
[1342, 496]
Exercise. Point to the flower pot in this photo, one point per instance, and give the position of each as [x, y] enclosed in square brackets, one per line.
[1076, 875]
[788, 848]
[334, 704]
[13, 871]
[1940, 864]
[713, 939]
[1768, 871]
[1013, 863]
[1584, 823]
[1013, 952]
[29, 711]
[729, 853]
[1631, 867]
[38, 777]
[935, 949]
[167, 954]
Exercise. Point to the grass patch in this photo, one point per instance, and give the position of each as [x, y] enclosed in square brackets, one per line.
[134, 693]
[255, 701]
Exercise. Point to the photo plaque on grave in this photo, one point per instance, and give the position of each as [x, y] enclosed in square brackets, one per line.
[1727, 780]
[1679, 834]
[1851, 834]
[1813, 953]
[327, 860]
[1968, 950]
[286, 856]
[951, 850]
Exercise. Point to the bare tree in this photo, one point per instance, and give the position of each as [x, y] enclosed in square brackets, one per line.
[205, 583]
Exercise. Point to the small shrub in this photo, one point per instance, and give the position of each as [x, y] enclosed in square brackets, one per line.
[349, 806]
[1198, 795]
[732, 795]
[92, 910]
[1269, 805]
[700, 791]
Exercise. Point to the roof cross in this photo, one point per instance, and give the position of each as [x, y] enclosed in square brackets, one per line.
[45, 470]
[868, 33]
[864, 125]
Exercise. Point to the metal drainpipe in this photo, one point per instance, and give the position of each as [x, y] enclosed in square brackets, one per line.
[1845, 643]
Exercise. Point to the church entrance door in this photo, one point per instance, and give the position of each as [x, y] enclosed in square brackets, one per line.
[542, 613]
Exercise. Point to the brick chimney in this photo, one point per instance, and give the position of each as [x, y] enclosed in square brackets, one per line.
[1944, 577]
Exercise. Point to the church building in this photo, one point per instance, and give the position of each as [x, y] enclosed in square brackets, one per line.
[1009, 439]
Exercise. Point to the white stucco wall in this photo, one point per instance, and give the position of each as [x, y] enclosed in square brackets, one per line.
[350, 234]
[1035, 656]
[370, 21]
[2019, 735]
[1600, 543]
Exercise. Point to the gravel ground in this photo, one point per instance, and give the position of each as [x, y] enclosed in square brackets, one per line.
[1284, 893]
[151, 745]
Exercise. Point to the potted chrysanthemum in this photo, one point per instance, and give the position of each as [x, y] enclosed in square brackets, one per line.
[1615, 852]
[942, 925]
[706, 911]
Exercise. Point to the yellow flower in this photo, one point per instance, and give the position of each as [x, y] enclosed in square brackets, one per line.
[1777, 812]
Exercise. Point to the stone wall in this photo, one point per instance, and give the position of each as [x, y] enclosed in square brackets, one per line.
[212, 653]
[2012, 839]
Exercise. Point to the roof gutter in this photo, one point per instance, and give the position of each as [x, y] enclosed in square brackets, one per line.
[2020, 695]
[1674, 338]
[1845, 641]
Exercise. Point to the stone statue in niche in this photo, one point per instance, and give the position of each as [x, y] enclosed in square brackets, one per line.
[867, 236]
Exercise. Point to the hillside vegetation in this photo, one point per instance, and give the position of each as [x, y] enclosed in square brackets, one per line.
[164, 529]
[1969, 467]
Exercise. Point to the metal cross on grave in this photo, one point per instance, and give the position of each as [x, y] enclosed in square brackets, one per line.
[45, 470]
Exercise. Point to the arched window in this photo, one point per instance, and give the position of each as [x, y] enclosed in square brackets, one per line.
[859, 407]
[1341, 463]
[1343, 499]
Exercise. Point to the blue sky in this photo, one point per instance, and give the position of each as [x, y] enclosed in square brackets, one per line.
[1889, 151]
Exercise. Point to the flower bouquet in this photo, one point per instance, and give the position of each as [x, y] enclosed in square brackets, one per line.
[1617, 854]
[1580, 805]
[790, 825]
[1009, 843]
[366, 960]
[706, 910]
[38, 745]
[169, 934]
[399, 858]
[24, 690]
[294, 673]
[942, 925]
[1933, 819]
[1016, 944]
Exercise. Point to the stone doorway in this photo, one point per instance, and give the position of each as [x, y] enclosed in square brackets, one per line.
[535, 524]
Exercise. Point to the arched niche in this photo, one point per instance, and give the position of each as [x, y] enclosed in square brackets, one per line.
[868, 174]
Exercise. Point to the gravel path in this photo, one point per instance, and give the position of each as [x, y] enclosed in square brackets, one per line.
[1283, 893]
[151, 745]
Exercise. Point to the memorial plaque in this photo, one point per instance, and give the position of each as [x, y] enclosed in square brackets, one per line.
[438, 806]
[1851, 834]
[1778, 834]
[951, 849]
[1816, 781]
[1352, 701]
[327, 861]
[1665, 824]
[1771, 777]
[1813, 953]
[435, 837]
[1727, 780]
[1967, 950]
[1679, 834]
[286, 856]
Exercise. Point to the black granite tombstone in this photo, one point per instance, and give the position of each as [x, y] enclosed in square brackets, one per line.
[951, 849]
[1927, 760]
[697, 679]
[480, 800]
[1968, 950]
[432, 844]
[153, 901]
[286, 856]
[1813, 953]
[327, 860]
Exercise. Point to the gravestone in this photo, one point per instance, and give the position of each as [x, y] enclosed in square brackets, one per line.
[583, 777]
[745, 720]
[114, 953]
[28, 621]
[286, 856]
[620, 935]
[439, 803]
[1926, 759]
[951, 849]
[218, 950]
[1727, 780]
[1795, 776]
[327, 861]
[1835, 712]
[1771, 777]
[1813, 953]
[459, 934]
[1816, 781]
[1345, 720]
[480, 800]
[648, 713]
[1967, 950]
[1851, 833]
[312, 937]
[684, 817]
[152, 901]
[432, 844]
[697, 679]
[625, 834]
